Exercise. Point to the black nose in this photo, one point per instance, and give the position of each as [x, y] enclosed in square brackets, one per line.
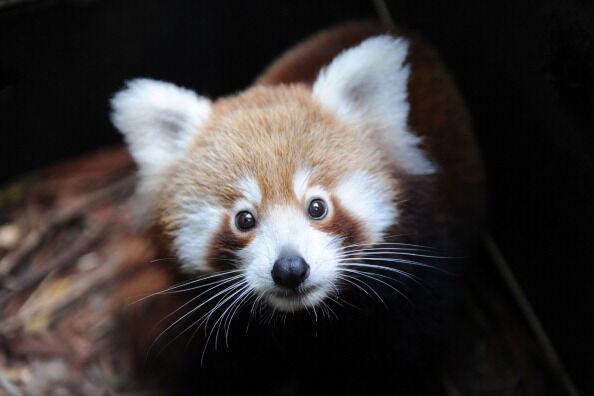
[290, 271]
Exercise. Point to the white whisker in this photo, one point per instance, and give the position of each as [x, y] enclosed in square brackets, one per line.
[216, 284]
[388, 243]
[370, 276]
[394, 251]
[330, 310]
[231, 291]
[221, 320]
[384, 268]
[396, 260]
[353, 279]
[237, 303]
[235, 285]
[163, 259]
[186, 283]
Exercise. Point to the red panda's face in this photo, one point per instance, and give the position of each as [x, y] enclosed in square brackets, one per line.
[278, 184]
[279, 189]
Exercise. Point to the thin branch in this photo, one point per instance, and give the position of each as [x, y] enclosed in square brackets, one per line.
[383, 13]
[62, 261]
[8, 386]
[60, 217]
[530, 316]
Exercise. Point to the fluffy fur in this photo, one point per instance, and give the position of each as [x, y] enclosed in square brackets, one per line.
[366, 121]
[267, 150]
[367, 87]
[158, 120]
[248, 156]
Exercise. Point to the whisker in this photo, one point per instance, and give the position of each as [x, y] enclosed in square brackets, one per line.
[245, 300]
[186, 283]
[381, 267]
[200, 286]
[231, 290]
[233, 309]
[354, 284]
[370, 276]
[387, 249]
[394, 251]
[216, 284]
[314, 312]
[389, 243]
[203, 320]
[397, 260]
[220, 321]
[164, 259]
[255, 306]
[327, 306]
[373, 273]
[340, 301]
[347, 277]
[189, 312]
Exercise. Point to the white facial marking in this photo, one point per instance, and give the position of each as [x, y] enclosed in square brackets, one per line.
[314, 192]
[250, 189]
[366, 86]
[369, 200]
[301, 182]
[193, 236]
[286, 228]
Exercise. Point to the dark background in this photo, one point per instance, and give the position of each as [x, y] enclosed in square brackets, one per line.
[526, 69]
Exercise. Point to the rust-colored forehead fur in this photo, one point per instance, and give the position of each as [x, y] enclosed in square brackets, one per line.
[269, 133]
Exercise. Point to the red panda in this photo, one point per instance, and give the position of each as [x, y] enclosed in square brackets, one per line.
[348, 171]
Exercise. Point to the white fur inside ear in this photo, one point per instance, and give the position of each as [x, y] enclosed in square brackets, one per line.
[366, 86]
[158, 119]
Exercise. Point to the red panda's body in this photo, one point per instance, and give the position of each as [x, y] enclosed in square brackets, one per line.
[334, 192]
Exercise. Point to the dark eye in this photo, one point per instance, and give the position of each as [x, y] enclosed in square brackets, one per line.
[317, 209]
[245, 221]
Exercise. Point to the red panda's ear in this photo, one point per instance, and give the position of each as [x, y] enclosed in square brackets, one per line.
[158, 120]
[366, 86]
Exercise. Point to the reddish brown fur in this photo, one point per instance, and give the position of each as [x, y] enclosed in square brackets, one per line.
[302, 63]
[270, 134]
[438, 113]
[437, 109]
[221, 255]
[343, 225]
[254, 119]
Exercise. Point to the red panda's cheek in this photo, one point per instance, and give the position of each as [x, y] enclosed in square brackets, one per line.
[191, 226]
[223, 248]
[343, 225]
[365, 203]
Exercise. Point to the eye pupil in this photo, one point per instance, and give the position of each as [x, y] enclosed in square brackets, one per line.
[317, 209]
[245, 220]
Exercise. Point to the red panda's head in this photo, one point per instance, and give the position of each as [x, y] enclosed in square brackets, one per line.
[278, 183]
